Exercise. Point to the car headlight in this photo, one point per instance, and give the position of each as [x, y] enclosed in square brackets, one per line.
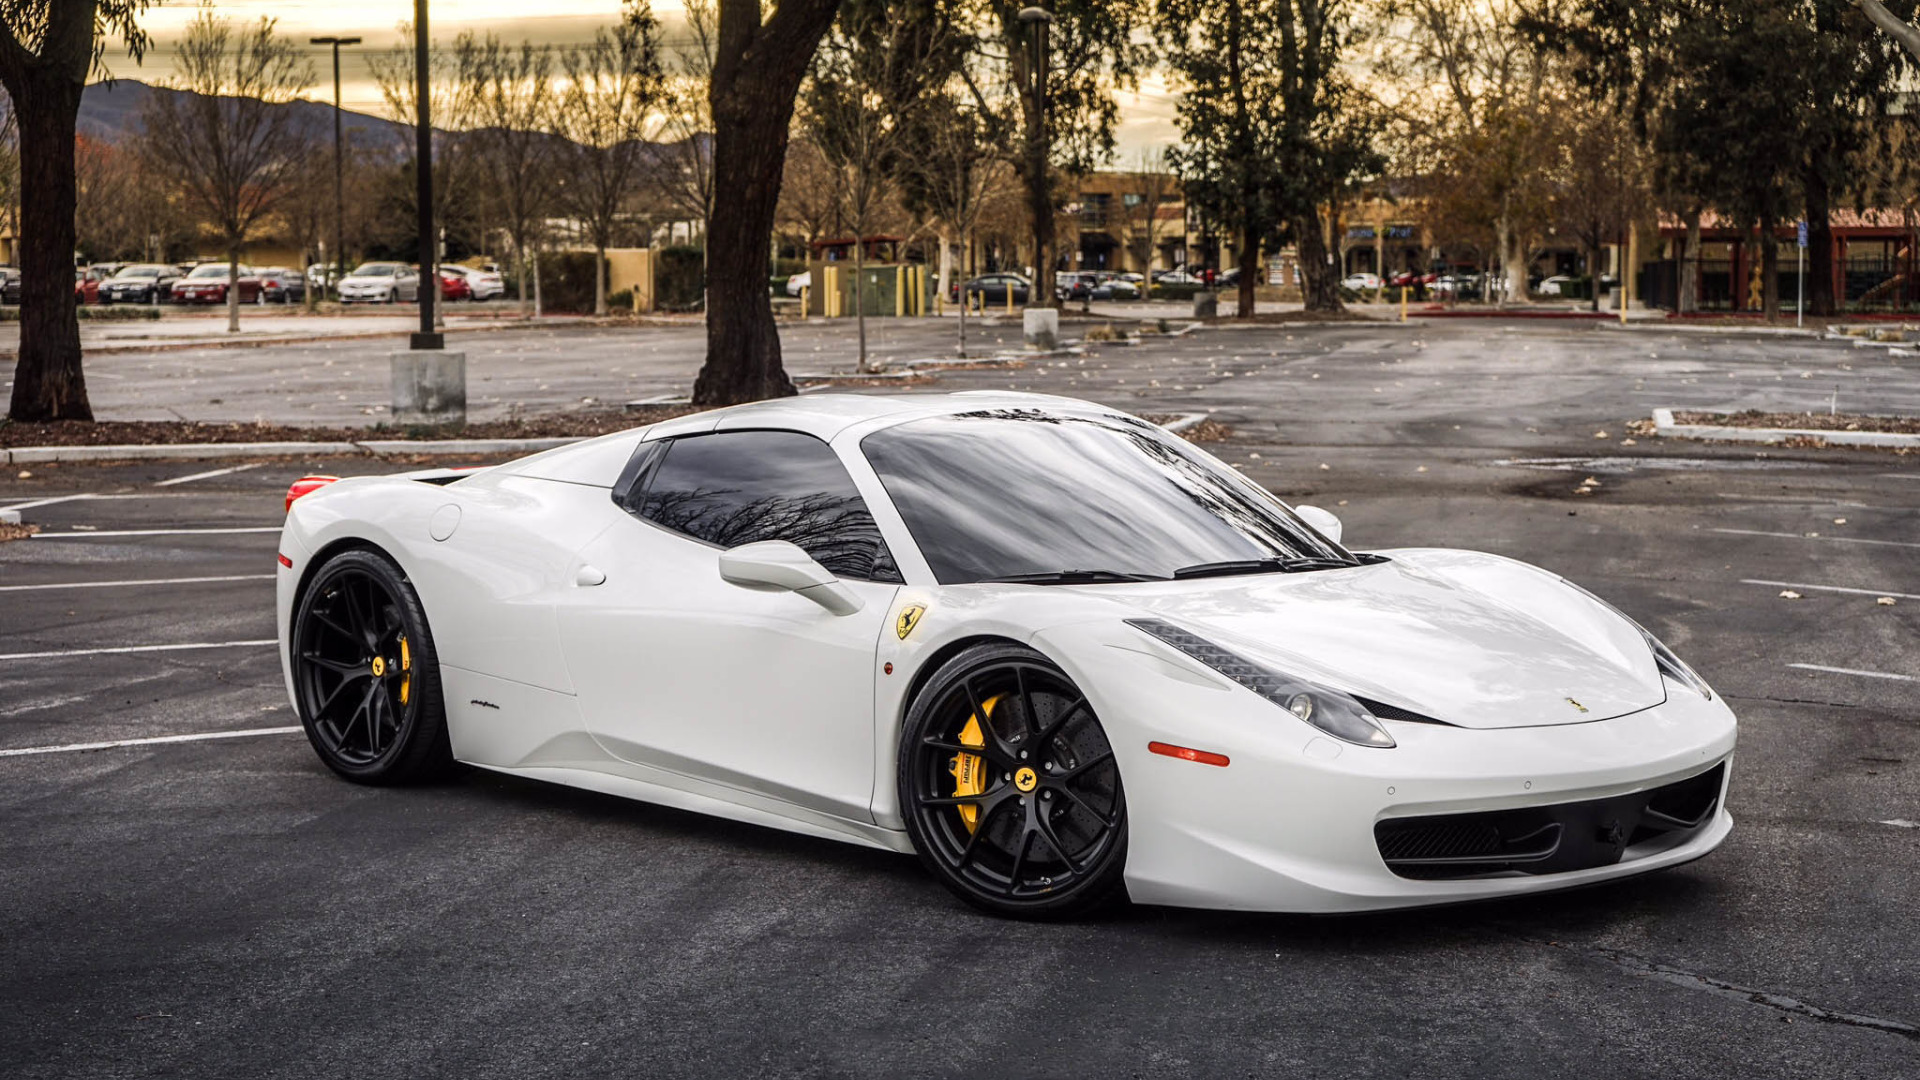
[1331, 711]
[1675, 668]
[1664, 658]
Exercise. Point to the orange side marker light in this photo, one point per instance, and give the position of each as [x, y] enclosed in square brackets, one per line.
[1187, 753]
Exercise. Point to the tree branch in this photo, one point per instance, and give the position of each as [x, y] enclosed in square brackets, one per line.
[1904, 32]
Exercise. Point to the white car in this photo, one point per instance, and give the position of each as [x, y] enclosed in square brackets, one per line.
[1362, 282]
[1551, 286]
[380, 283]
[486, 284]
[801, 280]
[1054, 650]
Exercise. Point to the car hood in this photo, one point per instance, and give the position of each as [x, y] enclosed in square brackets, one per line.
[1469, 639]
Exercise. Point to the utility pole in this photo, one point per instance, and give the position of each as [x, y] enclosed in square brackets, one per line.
[339, 196]
[426, 337]
[1038, 20]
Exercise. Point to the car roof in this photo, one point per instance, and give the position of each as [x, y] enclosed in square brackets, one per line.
[826, 415]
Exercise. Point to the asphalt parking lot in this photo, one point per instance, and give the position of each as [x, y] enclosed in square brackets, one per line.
[226, 907]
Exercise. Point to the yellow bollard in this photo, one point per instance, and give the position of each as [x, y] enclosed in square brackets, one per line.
[805, 290]
[1403, 303]
[1009, 301]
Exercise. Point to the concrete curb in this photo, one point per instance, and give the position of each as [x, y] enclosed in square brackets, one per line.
[9, 517]
[40, 455]
[1674, 326]
[1664, 426]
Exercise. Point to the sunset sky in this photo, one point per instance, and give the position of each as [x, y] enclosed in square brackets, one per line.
[1147, 118]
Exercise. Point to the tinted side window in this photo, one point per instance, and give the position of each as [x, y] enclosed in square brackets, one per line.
[738, 487]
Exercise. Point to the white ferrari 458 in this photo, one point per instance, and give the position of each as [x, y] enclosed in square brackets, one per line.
[1057, 652]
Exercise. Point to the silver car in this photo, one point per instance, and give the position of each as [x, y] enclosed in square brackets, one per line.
[380, 283]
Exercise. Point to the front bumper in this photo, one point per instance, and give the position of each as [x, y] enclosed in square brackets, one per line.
[1290, 823]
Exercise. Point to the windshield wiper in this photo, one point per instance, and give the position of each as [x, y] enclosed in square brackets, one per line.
[1071, 577]
[1263, 566]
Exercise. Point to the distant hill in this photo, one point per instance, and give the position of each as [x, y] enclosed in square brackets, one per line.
[111, 112]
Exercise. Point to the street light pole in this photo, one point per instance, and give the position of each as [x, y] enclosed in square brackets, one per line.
[426, 337]
[339, 197]
[1038, 20]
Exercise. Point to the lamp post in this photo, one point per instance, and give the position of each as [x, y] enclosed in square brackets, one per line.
[1038, 20]
[339, 197]
[426, 337]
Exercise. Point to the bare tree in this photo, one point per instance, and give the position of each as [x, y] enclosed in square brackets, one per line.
[230, 141]
[686, 160]
[47, 47]
[447, 103]
[610, 106]
[958, 161]
[508, 94]
[1600, 180]
[1155, 188]
[809, 208]
[868, 80]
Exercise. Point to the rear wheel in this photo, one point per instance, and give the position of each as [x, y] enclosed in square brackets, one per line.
[1010, 789]
[365, 673]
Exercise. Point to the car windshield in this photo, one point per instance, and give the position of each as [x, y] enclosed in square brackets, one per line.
[139, 272]
[375, 270]
[1011, 494]
[209, 271]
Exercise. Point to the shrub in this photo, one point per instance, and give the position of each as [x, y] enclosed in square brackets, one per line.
[678, 284]
[1174, 291]
[566, 281]
[621, 301]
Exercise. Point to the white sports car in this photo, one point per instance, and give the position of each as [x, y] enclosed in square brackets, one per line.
[1054, 650]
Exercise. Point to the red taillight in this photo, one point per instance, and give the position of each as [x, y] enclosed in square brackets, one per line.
[1185, 753]
[307, 485]
[286, 562]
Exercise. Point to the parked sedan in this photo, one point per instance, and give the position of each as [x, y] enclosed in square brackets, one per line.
[380, 282]
[995, 288]
[9, 285]
[1362, 282]
[482, 284]
[140, 283]
[799, 281]
[207, 284]
[454, 286]
[282, 285]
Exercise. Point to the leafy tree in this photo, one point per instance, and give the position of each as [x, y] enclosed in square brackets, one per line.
[1903, 31]
[760, 56]
[47, 47]
[229, 141]
[1273, 129]
[1094, 47]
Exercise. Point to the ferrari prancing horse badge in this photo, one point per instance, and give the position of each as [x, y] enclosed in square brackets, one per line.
[909, 618]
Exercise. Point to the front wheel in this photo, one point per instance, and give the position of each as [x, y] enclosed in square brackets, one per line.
[366, 675]
[1009, 787]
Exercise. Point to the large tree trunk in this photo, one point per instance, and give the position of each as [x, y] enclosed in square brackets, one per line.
[1689, 300]
[1249, 270]
[47, 381]
[757, 71]
[1770, 272]
[1319, 279]
[1517, 267]
[1819, 299]
[1594, 254]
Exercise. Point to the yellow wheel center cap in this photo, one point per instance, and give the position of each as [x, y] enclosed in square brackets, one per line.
[379, 666]
[1025, 779]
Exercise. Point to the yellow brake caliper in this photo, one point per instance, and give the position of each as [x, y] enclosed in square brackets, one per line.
[406, 669]
[970, 770]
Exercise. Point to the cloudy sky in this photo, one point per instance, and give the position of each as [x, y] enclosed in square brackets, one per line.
[1147, 117]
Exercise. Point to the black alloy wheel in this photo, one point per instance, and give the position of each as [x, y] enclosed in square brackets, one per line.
[1010, 789]
[365, 673]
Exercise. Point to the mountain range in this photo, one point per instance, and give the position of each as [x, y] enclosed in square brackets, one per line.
[111, 112]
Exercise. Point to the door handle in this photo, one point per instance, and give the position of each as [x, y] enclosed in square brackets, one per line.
[588, 576]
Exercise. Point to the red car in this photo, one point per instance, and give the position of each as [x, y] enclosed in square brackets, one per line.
[207, 284]
[86, 287]
[454, 287]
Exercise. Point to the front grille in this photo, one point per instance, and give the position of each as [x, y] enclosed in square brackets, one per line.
[1546, 839]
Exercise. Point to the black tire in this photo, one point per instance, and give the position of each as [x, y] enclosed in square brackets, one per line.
[1047, 835]
[359, 632]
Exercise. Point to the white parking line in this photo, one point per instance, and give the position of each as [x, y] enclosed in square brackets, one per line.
[1828, 588]
[47, 502]
[168, 532]
[1902, 475]
[1835, 539]
[1855, 671]
[208, 475]
[1806, 500]
[138, 649]
[75, 747]
[143, 581]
